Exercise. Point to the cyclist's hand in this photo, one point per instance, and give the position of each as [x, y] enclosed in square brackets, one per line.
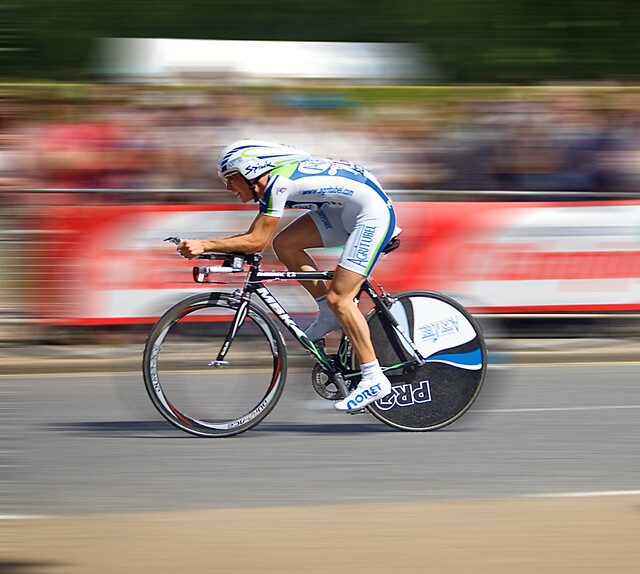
[191, 248]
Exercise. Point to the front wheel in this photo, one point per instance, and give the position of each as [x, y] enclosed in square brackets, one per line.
[203, 398]
[429, 396]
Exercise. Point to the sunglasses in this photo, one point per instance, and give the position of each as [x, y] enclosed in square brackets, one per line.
[226, 179]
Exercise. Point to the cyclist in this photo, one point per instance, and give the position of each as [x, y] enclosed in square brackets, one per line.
[345, 205]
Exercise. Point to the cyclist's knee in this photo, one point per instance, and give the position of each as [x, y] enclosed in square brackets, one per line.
[279, 246]
[338, 303]
[284, 247]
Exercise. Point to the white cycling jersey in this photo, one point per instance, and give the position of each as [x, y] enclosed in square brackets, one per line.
[347, 204]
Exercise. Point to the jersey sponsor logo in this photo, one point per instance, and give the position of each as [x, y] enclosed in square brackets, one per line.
[311, 206]
[314, 166]
[338, 167]
[325, 190]
[325, 220]
[347, 166]
[361, 251]
[406, 395]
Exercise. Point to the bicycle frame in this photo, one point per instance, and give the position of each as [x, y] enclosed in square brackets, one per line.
[254, 283]
[236, 327]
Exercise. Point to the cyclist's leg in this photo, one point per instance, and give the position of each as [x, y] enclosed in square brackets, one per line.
[290, 247]
[340, 298]
[316, 229]
[373, 385]
[372, 229]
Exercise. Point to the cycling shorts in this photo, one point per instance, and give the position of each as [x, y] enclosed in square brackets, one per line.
[364, 234]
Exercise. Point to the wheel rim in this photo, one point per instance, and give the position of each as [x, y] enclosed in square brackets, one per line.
[209, 400]
[437, 393]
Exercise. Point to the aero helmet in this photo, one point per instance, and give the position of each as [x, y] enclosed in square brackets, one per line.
[252, 158]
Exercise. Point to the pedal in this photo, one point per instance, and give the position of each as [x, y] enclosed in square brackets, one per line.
[360, 412]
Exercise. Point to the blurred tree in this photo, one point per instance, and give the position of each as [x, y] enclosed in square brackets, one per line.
[494, 41]
[11, 35]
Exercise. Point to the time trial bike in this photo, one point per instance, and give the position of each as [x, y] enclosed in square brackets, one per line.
[215, 363]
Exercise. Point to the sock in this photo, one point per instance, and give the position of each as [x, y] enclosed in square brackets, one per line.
[322, 304]
[370, 369]
[325, 321]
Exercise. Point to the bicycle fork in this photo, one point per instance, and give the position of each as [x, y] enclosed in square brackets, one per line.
[238, 319]
[268, 299]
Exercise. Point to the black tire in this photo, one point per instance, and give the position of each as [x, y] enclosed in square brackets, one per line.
[207, 400]
[433, 395]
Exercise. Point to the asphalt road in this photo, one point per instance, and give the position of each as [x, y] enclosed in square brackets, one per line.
[79, 444]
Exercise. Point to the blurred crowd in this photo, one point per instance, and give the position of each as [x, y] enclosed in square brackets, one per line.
[113, 138]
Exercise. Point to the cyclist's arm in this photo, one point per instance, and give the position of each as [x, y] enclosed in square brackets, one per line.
[253, 240]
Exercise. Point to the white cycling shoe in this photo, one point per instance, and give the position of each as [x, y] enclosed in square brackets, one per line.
[323, 324]
[368, 391]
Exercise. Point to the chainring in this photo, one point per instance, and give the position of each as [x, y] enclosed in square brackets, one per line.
[323, 384]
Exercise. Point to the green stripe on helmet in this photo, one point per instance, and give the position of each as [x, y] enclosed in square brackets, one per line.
[286, 170]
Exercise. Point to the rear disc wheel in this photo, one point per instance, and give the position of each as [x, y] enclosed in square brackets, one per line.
[430, 396]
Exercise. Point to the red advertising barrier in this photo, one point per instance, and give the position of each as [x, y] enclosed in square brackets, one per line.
[108, 264]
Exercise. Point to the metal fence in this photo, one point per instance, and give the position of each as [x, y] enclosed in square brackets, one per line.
[24, 211]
